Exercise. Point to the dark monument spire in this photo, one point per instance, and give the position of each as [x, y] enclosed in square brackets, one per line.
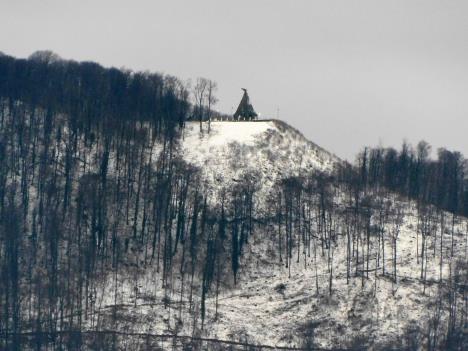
[245, 111]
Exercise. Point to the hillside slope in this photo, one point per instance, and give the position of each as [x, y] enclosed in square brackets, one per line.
[121, 229]
[310, 300]
[267, 150]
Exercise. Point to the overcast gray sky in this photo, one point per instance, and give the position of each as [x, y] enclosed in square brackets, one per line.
[346, 73]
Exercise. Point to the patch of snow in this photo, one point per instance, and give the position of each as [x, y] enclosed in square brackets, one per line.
[266, 150]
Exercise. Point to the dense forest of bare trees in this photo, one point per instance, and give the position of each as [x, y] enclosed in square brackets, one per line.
[411, 172]
[92, 187]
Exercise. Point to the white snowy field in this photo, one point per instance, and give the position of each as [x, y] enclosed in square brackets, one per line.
[266, 150]
[256, 142]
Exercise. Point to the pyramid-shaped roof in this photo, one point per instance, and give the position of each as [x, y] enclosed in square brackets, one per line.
[245, 110]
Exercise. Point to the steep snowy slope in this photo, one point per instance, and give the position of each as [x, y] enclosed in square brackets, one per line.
[267, 150]
[275, 305]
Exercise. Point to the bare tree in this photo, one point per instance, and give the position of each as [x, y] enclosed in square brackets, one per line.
[211, 100]
[397, 216]
[200, 95]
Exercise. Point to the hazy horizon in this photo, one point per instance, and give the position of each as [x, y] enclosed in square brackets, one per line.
[346, 74]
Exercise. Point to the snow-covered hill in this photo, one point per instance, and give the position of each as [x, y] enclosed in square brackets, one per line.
[267, 150]
[264, 145]
[119, 230]
[273, 304]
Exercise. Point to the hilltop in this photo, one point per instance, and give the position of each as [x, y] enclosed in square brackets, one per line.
[265, 150]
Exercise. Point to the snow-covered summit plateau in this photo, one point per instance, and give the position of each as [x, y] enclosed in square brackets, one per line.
[268, 150]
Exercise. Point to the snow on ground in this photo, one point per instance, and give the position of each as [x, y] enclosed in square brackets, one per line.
[266, 150]
[270, 307]
[262, 136]
[222, 133]
[369, 306]
[271, 304]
